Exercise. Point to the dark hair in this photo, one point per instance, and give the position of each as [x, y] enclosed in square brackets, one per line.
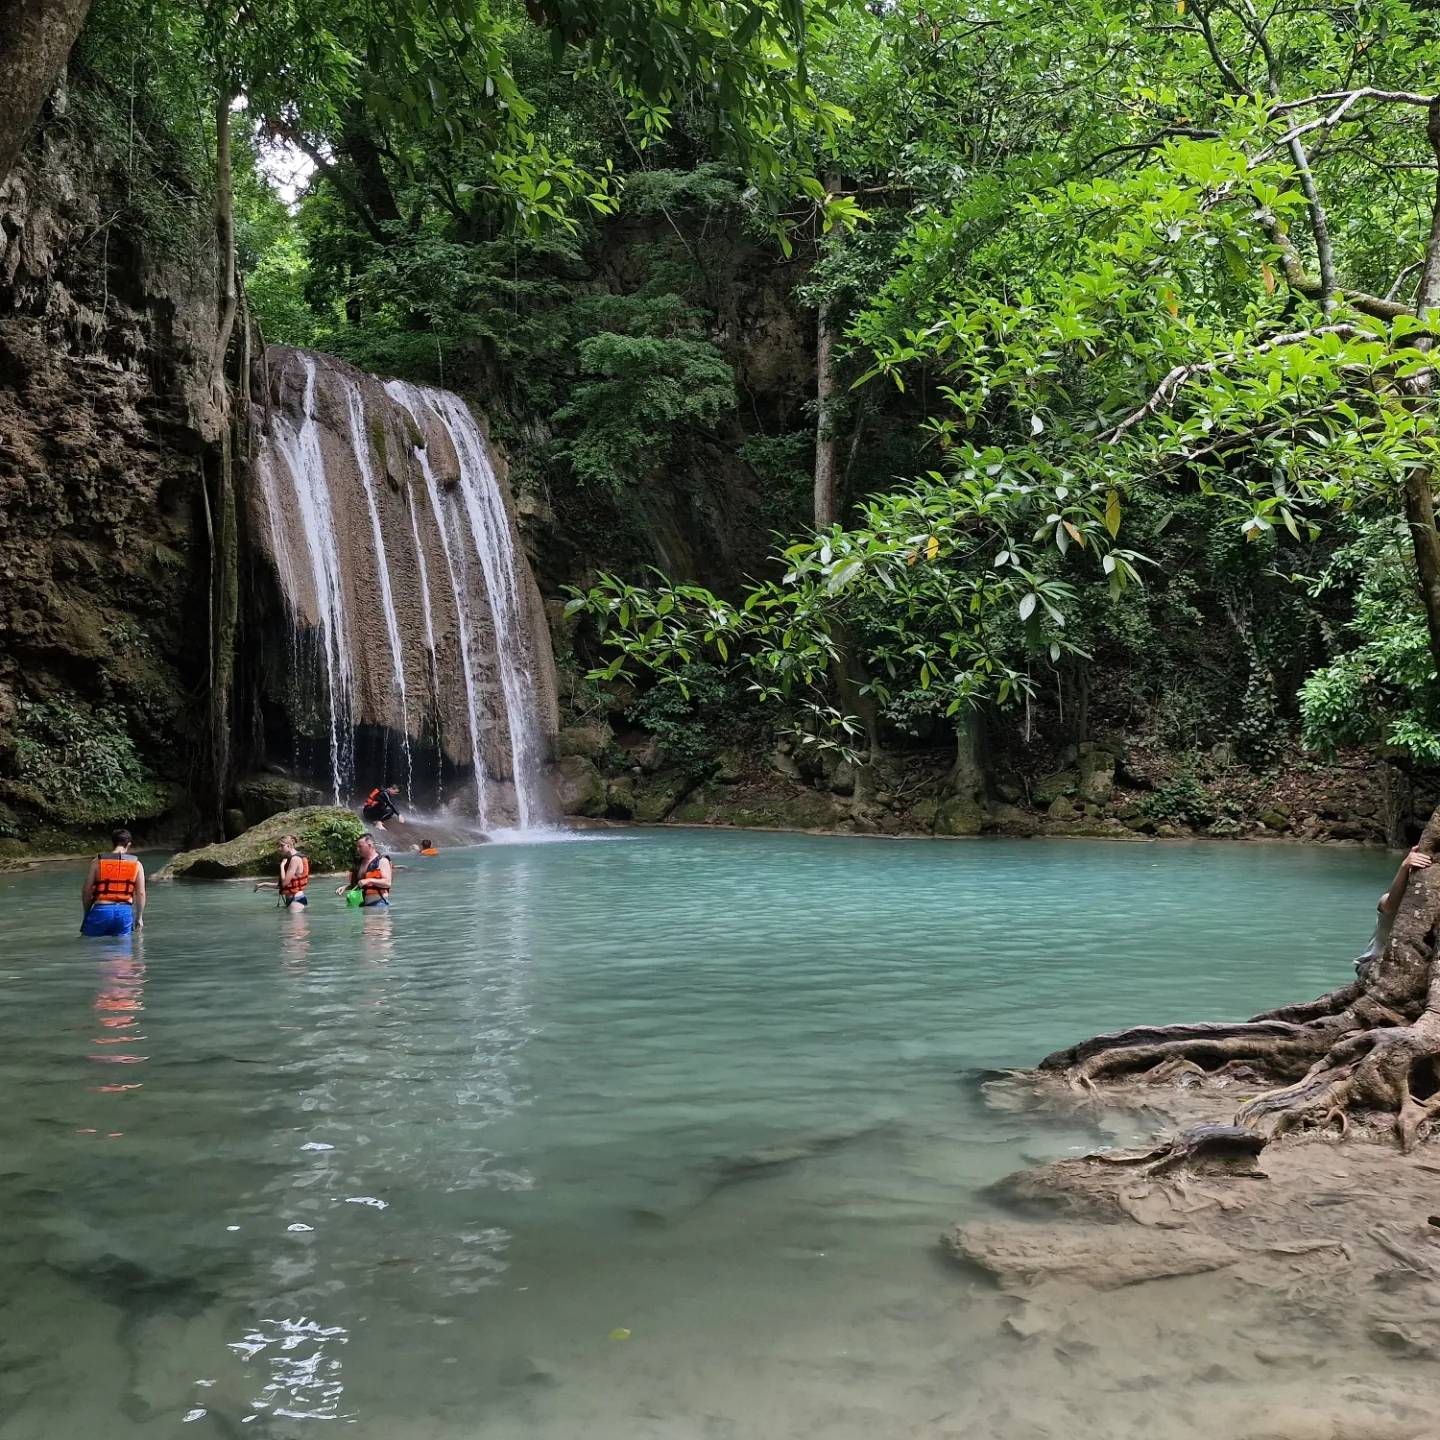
[364, 835]
[426, 845]
[120, 836]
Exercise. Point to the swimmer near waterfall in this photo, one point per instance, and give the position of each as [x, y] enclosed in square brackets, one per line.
[380, 806]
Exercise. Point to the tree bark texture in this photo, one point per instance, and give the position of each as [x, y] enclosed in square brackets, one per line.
[36, 37]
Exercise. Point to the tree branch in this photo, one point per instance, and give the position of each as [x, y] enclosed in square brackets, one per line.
[1394, 97]
[1169, 387]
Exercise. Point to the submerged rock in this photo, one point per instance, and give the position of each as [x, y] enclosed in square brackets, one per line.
[1105, 1257]
[327, 835]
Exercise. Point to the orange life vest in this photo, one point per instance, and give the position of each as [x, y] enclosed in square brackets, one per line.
[370, 892]
[116, 877]
[429, 850]
[296, 883]
[372, 797]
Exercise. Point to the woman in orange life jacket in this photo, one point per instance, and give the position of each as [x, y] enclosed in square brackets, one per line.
[114, 891]
[372, 872]
[294, 874]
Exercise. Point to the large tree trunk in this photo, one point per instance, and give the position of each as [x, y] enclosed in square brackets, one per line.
[36, 37]
[1372, 1045]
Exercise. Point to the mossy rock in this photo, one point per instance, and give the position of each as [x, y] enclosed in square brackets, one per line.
[1053, 786]
[805, 811]
[259, 797]
[578, 786]
[327, 836]
[1012, 820]
[1275, 819]
[960, 816]
[591, 741]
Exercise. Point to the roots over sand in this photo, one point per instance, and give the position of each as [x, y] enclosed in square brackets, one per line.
[1371, 1048]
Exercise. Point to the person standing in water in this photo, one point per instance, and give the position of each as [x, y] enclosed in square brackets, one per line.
[380, 807]
[372, 875]
[1389, 908]
[114, 891]
[294, 873]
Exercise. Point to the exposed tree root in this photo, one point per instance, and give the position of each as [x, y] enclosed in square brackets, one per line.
[1371, 1047]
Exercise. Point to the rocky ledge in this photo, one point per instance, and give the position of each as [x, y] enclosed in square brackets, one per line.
[327, 836]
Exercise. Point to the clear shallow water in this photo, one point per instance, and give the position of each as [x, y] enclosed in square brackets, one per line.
[417, 1172]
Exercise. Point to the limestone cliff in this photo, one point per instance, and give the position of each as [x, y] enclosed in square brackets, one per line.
[105, 426]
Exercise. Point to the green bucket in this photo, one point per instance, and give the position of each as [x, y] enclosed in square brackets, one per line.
[354, 897]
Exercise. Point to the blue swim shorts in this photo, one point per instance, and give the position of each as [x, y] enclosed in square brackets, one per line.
[108, 920]
[301, 899]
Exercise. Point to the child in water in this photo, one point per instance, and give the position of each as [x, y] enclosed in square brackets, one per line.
[425, 847]
[1389, 908]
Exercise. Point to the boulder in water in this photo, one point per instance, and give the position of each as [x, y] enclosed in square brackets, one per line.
[327, 835]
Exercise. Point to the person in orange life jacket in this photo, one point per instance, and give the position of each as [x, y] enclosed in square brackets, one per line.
[379, 807]
[373, 873]
[294, 874]
[114, 891]
[425, 847]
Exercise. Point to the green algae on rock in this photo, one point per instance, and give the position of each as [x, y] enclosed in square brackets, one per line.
[327, 835]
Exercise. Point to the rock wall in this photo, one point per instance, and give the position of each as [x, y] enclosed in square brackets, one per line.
[105, 424]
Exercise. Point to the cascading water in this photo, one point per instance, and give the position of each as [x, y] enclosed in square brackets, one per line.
[299, 450]
[360, 442]
[495, 549]
[413, 399]
[453, 615]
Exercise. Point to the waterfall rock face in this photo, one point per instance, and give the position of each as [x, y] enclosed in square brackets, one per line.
[409, 604]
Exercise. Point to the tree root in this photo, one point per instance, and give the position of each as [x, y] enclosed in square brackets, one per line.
[1369, 1047]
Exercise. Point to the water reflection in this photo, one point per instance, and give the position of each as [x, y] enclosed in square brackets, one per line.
[295, 940]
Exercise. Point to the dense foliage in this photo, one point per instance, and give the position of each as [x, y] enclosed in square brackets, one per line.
[1117, 315]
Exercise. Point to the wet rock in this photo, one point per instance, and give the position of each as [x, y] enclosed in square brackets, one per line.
[591, 741]
[959, 815]
[1053, 786]
[258, 797]
[578, 787]
[1062, 808]
[1104, 1257]
[327, 836]
[647, 799]
[1097, 772]
[235, 823]
[1011, 820]
[730, 767]
[783, 763]
[924, 813]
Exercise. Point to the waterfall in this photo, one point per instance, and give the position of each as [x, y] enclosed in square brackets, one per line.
[494, 544]
[299, 451]
[411, 397]
[347, 466]
[360, 443]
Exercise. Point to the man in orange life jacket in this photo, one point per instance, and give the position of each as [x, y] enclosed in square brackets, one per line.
[379, 807]
[373, 873]
[114, 891]
[294, 874]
